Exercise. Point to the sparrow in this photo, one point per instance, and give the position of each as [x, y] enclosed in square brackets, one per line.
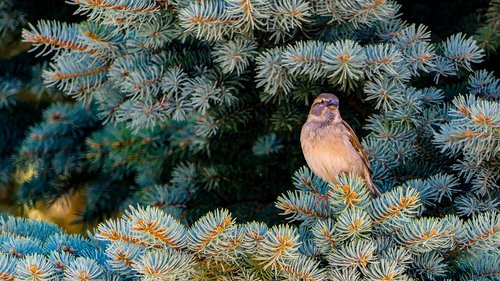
[330, 146]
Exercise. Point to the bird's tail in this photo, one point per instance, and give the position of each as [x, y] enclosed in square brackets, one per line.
[371, 186]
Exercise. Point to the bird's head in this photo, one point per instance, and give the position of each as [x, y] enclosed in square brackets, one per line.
[325, 108]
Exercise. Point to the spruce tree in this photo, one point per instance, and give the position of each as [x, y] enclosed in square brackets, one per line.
[184, 116]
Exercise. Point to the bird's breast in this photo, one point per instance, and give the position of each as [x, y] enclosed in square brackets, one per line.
[328, 152]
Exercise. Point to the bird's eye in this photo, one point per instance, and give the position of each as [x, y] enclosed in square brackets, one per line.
[322, 101]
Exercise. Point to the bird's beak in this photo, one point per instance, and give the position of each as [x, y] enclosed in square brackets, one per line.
[333, 104]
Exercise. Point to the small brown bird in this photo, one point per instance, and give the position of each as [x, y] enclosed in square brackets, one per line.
[330, 146]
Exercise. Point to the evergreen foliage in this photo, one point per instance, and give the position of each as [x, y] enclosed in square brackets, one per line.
[11, 21]
[172, 80]
[186, 105]
[489, 34]
[379, 239]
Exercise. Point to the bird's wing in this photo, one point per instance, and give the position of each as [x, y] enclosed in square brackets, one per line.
[356, 144]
